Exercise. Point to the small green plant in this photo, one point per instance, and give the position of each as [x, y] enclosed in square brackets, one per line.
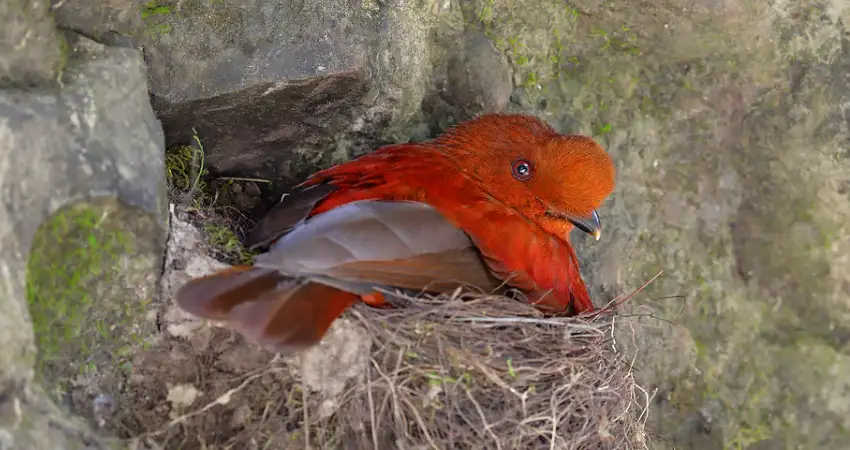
[225, 241]
[185, 173]
[179, 164]
[184, 169]
[531, 80]
[486, 17]
[152, 14]
[435, 379]
[511, 371]
[153, 8]
[622, 40]
[746, 437]
[603, 129]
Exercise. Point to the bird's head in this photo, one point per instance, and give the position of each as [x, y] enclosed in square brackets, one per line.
[558, 181]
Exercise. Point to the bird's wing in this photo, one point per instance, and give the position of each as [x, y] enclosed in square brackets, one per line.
[286, 215]
[267, 307]
[383, 243]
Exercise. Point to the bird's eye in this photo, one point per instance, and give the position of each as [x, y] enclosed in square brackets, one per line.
[521, 169]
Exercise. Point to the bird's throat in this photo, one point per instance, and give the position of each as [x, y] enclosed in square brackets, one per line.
[556, 225]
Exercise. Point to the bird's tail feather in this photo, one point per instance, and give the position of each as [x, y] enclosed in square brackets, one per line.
[265, 306]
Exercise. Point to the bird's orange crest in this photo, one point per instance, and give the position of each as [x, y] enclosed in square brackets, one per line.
[553, 179]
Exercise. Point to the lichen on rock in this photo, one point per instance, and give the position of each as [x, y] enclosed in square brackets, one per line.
[33, 48]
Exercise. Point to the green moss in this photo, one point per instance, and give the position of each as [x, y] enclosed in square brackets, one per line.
[154, 14]
[185, 175]
[69, 250]
[747, 436]
[184, 169]
[225, 241]
[594, 69]
[153, 8]
[64, 55]
[75, 265]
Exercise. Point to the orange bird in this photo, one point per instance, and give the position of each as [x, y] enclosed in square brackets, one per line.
[490, 203]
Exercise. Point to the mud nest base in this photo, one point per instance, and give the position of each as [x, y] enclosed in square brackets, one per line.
[450, 372]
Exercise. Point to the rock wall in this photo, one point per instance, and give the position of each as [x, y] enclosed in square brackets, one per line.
[277, 90]
[82, 218]
[731, 136]
[727, 121]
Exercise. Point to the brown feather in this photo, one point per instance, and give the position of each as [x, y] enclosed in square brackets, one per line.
[265, 306]
[435, 272]
[292, 317]
[213, 296]
[293, 293]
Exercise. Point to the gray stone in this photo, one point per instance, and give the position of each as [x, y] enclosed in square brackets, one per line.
[271, 131]
[82, 214]
[29, 420]
[271, 87]
[728, 126]
[479, 78]
[267, 85]
[32, 52]
[110, 22]
[472, 79]
[258, 43]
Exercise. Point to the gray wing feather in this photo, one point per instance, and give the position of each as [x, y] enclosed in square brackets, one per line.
[363, 231]
[286, 215]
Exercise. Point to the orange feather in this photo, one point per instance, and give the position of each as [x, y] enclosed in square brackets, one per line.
[509, 183]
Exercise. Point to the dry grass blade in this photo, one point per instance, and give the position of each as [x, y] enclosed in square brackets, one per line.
[461, 371]
[486, 372]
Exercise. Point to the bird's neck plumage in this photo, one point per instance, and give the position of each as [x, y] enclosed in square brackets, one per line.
[404, 172]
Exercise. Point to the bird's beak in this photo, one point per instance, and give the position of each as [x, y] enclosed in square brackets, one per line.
[589, 224]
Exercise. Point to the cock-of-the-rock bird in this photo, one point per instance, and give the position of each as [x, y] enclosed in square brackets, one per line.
[490, 203]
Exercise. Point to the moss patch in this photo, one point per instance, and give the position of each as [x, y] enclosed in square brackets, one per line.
[209, 203]
[79, 263]
[225, 241]
[154, 14]
[184, 169]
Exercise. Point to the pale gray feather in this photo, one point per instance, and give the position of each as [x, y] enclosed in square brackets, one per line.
[404, 244]
[363, 231]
